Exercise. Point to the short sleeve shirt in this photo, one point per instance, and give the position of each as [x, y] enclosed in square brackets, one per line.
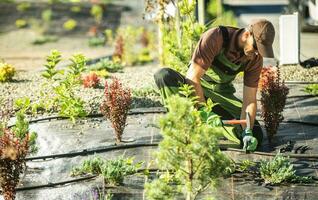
[210, 45]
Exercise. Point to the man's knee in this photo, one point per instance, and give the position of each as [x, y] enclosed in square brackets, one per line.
[167, 77]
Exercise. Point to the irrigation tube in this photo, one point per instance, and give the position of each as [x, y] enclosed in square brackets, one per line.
[51, 185]
[56, 183]
[295, 122]
[302, 96]
[91, 151]
[151, 111]
[86, 152]
[301, 82]
[156, 110]
[131, 112]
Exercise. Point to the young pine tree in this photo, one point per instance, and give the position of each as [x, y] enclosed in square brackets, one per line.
[189, 148]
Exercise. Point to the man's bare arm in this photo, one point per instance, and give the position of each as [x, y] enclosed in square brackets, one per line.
[194, 74]
[249, 104]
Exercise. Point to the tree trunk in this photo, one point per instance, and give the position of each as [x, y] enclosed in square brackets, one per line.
[161, 31]
[201, 12]
[177, 25]
[219, 8]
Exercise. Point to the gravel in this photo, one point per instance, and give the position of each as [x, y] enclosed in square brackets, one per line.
[29, 84]
[298, 73]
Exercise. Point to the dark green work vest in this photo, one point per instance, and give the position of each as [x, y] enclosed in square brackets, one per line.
[222, 70]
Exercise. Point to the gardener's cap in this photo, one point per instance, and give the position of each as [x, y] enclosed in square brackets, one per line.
[264, 34]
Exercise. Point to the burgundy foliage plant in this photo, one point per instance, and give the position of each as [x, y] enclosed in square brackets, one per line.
[273, 99]
[13, 151]
[115, 106]
[91, 80]
[144, 39]
[119, 48]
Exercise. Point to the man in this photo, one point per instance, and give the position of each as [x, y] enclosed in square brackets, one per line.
[220, 55]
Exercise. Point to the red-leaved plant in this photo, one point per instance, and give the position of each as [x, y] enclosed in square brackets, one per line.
[144, 39]
[90, 80]
[13, 151]
[273, 99]
[115, 106]
[119, 48]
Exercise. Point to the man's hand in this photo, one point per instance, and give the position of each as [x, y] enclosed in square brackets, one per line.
[249, 142]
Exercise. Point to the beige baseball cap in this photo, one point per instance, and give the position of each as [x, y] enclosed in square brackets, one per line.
[264, 34]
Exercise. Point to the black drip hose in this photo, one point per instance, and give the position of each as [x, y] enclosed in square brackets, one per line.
[301, 82]
[295, 122]
[56, 183]
[91, 151]
[50, 185]
[86, 152]
[154, 111]
[86, 178]
[132, 112]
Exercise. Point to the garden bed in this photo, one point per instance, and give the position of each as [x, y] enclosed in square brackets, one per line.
[61, 136]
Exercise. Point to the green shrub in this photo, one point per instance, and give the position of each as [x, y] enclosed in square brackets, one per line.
[46, 15]
[50, 67]
[70, 24]
[89, 166]
[190, 148]
[96, 41]
[108, 65]
[97, 13]
[312, 89]
[160, 189]
[62, 95]
[109, 36]
[44, 39]
[78, 64]
[144, 57]
[21, 23]
[23, 6]
[101, 73]
[280, 170]
[70, 105]
[145, 92]
[113, 171]
[178, 48]
[76, 9]
[219, 15]
[127, 50]
[7, 72]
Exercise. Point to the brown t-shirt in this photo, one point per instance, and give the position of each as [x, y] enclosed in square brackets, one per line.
[210, 45]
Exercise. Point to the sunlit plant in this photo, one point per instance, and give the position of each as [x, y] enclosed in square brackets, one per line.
[190, 149]
[115, 106]
[21, 23]
[312, 89]
[15, 143]
[70, 25]
[97, 13]
[50, 66]
[113, 171]
[90, 80]
[280, 170]
[273, 99]
[7, 72]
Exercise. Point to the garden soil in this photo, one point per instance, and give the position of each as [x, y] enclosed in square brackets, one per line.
[61, 136]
